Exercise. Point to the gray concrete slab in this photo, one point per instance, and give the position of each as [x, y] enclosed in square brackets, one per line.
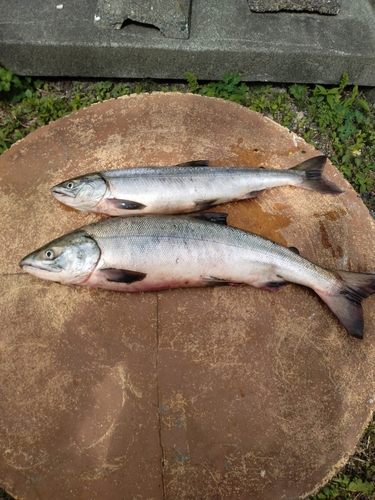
[37, 38]
[322, 6]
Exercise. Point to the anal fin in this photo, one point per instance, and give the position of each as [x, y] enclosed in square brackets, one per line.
[271, 285]
[213, 281]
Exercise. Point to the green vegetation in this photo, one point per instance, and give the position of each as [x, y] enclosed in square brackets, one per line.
[337, 120]
[342, 487]
[4, 495]
[26, 104]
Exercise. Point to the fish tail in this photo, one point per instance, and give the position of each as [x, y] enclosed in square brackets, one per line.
[313, 177]
[345, 303]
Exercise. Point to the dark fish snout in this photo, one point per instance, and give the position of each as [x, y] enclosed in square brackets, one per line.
[23, 262]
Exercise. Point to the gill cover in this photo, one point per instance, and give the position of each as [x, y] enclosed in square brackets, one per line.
[82, 193]
[69, 259]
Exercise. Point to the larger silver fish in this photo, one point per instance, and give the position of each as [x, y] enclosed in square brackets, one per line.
[133, 254]
[188, 187]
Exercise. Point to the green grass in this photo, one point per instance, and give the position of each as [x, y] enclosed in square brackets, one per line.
[4, 495]
[337, 120]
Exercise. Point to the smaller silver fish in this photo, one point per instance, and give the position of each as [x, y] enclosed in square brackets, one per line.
[184, 188]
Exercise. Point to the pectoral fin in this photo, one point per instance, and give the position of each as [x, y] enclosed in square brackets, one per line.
[125, 204]
[205, 204]
[217, 217]
[253, 194]
[122, 275]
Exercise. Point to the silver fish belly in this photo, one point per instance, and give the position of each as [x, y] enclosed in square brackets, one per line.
[159, 252]
[185, 188]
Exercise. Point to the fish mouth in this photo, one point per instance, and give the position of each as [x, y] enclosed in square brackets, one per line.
[34, 267]
[62, 192]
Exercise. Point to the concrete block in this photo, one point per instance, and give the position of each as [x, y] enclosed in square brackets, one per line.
[36, 38]
[171, 18]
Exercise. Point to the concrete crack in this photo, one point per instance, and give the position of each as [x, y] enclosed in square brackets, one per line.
[158, 395]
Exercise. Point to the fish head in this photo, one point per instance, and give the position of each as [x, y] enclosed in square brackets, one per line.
[69, 259]
[82, 193]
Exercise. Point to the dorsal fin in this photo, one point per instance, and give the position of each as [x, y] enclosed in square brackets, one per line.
[195, 163]
[294, 250]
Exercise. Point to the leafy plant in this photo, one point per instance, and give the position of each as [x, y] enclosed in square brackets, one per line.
[37, 103]
[4, 495]
[298, 91]
[230, 87]
[343, 486]
[192, 82]
[274, 103]
[8, 80]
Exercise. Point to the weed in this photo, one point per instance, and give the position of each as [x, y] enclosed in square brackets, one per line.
[4, 495]
[274, 103]
[192, 82]
[343, 487]
[38, 103]
[230, 88]
[8, 81]
[299, 92]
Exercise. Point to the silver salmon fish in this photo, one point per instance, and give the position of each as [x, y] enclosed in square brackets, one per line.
[145, 253]
[184, 188]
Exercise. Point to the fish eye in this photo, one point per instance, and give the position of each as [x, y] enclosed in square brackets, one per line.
[49, 254]
[70, 185]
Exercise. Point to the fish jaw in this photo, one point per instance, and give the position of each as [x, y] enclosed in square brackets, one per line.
[82, 193]
[32, 266]
[69, 259]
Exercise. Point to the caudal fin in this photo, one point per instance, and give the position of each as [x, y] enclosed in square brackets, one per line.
[314, 178]
[346, 302]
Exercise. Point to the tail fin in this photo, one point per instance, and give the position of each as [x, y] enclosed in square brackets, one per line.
[315, 180]
[346, 303]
